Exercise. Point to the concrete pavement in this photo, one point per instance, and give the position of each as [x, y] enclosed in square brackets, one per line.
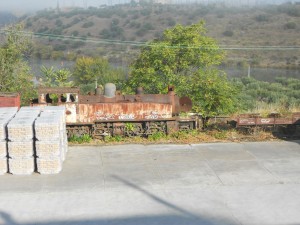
[224, 183]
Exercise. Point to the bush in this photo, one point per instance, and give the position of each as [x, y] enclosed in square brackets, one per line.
[290, 25]
[148, 26]
[228, 33]
[75, 33]
[261, 18]
[171, 22]
[58, 22]
[141, 32]
[59, 47]
[82, 139]
[115, 21]
[88, 24]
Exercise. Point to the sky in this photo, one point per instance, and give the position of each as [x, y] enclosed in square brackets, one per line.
[33, 5]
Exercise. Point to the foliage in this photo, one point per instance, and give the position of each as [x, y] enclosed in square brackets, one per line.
[116, 138]
[89, 70]
[262, 18]
[157, 136]
[212, 94]
[281, 95]
[290, 25]
[88, 24]
[82, 139]
[15, 73]
[169, 60]
[228, 33]
[56, 78]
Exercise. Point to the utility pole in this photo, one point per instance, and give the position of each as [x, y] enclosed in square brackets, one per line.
[249, 71]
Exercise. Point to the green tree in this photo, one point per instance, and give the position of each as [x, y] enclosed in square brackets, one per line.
[15, 73]
[89, 70]
[181, 51]
[186, 57]
[212, 94]
[56, 78]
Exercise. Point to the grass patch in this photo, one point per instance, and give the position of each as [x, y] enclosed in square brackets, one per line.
[80, 140]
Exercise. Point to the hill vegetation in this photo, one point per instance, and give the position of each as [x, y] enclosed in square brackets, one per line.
[7, 18]
[115, 32]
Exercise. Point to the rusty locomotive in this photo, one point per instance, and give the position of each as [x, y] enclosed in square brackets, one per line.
[112, 113]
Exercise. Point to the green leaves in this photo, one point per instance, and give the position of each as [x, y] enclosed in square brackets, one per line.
[15, 74]
[212, 93]
[90, 70]
[56, 78]
[181, 51]
[185, 57]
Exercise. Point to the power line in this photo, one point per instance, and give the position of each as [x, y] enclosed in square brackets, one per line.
[144, 44]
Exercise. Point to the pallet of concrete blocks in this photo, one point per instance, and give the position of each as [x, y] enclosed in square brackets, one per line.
[6, 114]
[25, 112]
[48, 128]
[21, 157]
[54, 111]
[3, 158]
[20, 149]
[51, 165]
[51, 143]
[49, 149]
[3, 165]
[21, 129]
[21, 166]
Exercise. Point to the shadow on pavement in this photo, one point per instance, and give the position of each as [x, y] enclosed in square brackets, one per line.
[138, 220]
[179, 217]
[289, 133]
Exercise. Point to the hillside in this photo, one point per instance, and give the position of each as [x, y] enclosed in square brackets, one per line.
[7, 18]
[93, 31]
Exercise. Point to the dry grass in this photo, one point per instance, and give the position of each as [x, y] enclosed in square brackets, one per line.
[210, 136]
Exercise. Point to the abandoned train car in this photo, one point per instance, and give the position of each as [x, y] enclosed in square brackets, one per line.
[112, 113]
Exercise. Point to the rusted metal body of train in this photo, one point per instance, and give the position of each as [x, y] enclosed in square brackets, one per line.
[113, 113]
[288, 124]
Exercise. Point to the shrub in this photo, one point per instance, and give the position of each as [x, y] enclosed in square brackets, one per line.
[58, 22]
[261, 18]
[290, 25]
[171, 22]
[82, 139]
[115, 21]
[141, 32]
[228, 33]
[157, 136]
[59, 47]
[148, 26]
[75, 33]
[88, 24]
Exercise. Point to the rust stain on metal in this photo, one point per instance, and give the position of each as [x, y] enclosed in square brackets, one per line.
[123, 111]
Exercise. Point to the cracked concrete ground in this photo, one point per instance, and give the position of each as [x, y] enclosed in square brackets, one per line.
[223, 183]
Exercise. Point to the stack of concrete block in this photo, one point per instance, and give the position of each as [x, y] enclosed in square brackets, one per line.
[21, 151]
[6, 114]
[51, 140]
